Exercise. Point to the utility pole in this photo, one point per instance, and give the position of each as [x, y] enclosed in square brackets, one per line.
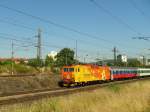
[115, 56]
[146, 39]
[66, 60]
[85, 58]
[12, 58]
[39, 52]
[76, 51]
[143, 60]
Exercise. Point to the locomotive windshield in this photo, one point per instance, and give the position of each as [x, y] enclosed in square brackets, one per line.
[68, 69]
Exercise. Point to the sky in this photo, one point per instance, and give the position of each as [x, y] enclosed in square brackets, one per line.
[108, 23]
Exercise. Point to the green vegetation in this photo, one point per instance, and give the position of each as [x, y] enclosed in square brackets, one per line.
[16, 84]
[53, 64]
[36, 66]
[131, 63]
[6, 68]
[114, 88]
[36, 63]
[65, 57]
[134, 63]
[133, 97]
[49, 61]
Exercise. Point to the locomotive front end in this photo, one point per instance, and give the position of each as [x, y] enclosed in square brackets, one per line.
[67, 75]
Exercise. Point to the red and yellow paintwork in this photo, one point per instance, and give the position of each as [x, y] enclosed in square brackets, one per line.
[85, 73]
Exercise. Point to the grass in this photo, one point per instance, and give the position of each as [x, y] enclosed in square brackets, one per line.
[114, 88]
[133, 97]
[18, 69]
[16, 84]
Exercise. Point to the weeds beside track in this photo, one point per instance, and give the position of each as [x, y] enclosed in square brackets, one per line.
[38, 94]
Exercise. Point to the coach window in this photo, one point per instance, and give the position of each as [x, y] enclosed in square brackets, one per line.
[135, 72]
[124, 72]
[139, 71]
[78, 70]
[113, 72]
[121, 72]
[117, 72]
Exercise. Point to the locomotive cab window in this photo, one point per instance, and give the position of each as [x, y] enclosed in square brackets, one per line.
[65, 69]
[71, 69]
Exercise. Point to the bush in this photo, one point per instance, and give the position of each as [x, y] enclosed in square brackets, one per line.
[36, 63]
[19, 68]
[6, 63]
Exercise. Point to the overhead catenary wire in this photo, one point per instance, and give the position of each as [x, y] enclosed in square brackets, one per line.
[32, 44]
[118, 19]
[32, 29]
[60, 25]
[68, 28]
[55, 24]
[15, 24]
[45, 32]
[139, 9]
[12, 35]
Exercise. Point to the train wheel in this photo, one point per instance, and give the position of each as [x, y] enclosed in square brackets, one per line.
[61, 84]
[83, 83]
[68, 85]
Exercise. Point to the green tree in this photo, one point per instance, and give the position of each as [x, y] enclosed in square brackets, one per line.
[65, 57]
[35, 62]
[134, 63]
[121, 64]
[49, 61]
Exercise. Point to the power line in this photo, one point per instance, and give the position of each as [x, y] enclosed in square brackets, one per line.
[54, 46]
[32, 29]
[8, 38]
[118, 19]
[32, 44]
[11, 35]
[65, 27]
[138, 9]
[54, 23]
[18, 25]
[44, 45]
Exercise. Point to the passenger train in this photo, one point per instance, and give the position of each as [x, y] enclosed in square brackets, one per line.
[87, 74]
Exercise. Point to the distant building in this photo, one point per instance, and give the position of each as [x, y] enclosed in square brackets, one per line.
[142, 60]
[148, 62]
[52, 54]
[122, 58]
[16, 60]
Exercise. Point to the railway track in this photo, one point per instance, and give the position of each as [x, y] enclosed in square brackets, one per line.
[38, 94]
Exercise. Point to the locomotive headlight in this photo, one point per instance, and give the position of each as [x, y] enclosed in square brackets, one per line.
[68, 76]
